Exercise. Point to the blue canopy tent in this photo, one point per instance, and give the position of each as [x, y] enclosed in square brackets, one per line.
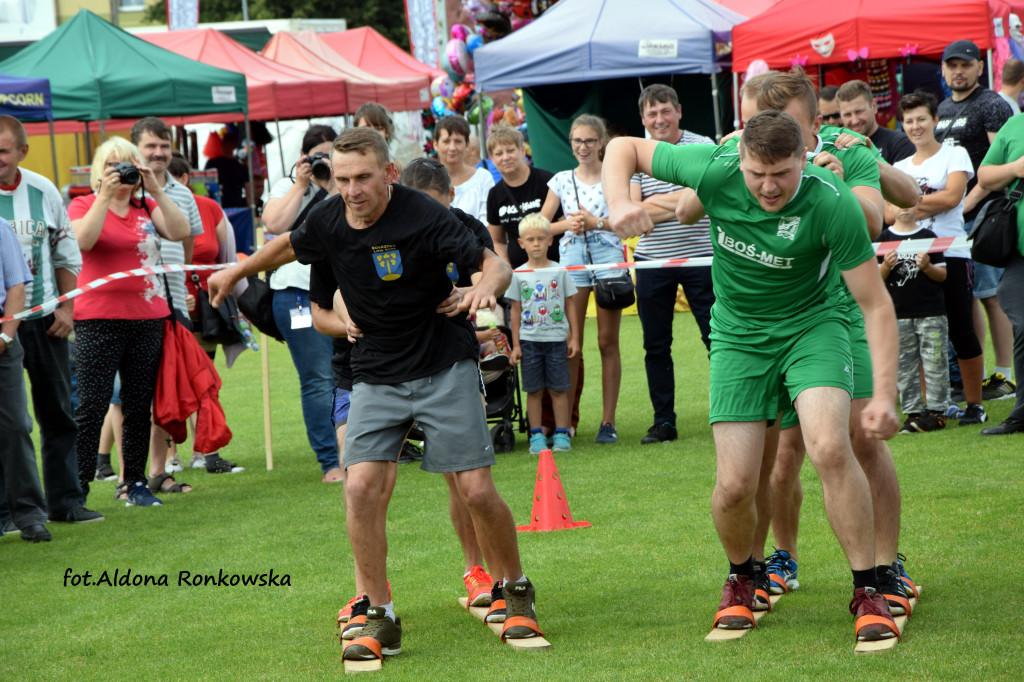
[599, 40]
[28, 99]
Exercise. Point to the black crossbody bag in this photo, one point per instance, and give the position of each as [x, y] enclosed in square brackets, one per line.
[616, 291]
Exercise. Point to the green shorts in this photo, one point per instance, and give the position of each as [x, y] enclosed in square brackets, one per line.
[863, 384]
[751, 374]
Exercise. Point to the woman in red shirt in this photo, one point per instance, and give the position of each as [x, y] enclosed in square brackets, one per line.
[119, 326]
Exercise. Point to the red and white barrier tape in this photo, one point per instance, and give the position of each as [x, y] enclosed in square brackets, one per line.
[908, 246]
[47, 307]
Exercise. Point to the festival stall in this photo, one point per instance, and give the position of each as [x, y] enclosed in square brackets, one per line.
[305, 50]
[369, 50]
[276, 91]
[868, 38]
[581, 47]
[99, 73]
[28, 99]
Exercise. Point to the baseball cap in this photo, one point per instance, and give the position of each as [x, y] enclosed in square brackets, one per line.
[961, 49]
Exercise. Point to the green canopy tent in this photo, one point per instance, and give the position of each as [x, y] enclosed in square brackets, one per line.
[99, 72]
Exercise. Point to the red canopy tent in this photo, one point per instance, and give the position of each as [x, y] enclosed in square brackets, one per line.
[368, 49]
[748, 8]
[806, 33]
[276, 91]
[305, 50]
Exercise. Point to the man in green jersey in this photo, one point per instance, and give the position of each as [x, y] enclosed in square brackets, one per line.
[862, 170]
[782, 233]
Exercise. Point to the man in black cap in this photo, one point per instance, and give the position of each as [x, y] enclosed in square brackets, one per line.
[971, 117]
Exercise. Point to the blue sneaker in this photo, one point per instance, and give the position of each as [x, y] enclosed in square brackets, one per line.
[607, 434]
[140, 496]
[782, 572]
[908, 585]
[561, 442]
[537, 443]
[954, 411]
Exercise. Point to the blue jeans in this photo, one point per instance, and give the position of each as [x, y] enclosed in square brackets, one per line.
[311, 354]
[655, 302]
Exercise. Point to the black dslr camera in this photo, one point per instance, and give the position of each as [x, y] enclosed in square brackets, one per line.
[129, 174]
[321, 165]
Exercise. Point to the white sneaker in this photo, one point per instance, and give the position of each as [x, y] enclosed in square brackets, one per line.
[198, 461]
[174, 466]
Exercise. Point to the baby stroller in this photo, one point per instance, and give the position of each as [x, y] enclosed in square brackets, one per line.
[504, 406]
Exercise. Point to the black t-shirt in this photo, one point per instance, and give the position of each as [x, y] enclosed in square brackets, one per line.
[321, 291]
[231, 176]
[894, 145]
[392, 276]
[913, 293]
[506, 206]
[461, 278]
[968, 123]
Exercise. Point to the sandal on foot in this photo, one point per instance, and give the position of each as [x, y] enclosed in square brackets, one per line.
[158, 484]
[121, 491]
[734, 611]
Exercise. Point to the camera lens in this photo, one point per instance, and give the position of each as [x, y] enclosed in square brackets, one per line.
[321, 170]
[129, 173]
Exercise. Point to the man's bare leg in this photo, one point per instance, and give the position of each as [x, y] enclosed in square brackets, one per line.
[462, 522]
[366, 515]
[787, 491]
[764, 500]
[738, 450]
[876, 460]
[492, 519]
[824, 417]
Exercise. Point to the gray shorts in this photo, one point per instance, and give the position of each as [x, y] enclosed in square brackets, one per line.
[448, 407]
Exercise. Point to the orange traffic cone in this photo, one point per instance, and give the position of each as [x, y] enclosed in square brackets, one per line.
[550, 508]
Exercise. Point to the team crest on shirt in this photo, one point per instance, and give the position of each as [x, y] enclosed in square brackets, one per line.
[388, 261]
[787, 227]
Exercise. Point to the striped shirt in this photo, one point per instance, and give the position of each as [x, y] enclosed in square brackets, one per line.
[13, 268]
[671, 239]
[36, 211]
[173, 253]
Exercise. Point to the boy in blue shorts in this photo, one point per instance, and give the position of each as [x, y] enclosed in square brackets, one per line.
[543, 337]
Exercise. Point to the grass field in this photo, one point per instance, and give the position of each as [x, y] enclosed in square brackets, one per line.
[630, 597]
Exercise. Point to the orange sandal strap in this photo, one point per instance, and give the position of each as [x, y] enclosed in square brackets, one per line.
[865, 621]
[741, 611]
[370, 643]
[498, 605]
[778, 581]
[520, 621]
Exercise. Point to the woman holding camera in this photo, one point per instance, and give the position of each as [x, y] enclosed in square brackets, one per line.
[289, 202]
[119, 326]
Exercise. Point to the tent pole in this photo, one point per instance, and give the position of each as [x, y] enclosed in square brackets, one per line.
[280, 146]
[988, 68]
[735, 101]
[265, 360]
[88, 142]
[716, 106]
[103, 132]
[53, 154]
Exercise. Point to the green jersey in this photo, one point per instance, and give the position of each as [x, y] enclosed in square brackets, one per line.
[860, 164]
[769, 269]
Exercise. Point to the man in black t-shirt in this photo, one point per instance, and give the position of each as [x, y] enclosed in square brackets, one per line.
[521, 191]
[858, 110]
[388, 248]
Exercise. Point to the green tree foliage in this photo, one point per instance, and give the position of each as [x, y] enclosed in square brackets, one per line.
[386, 16]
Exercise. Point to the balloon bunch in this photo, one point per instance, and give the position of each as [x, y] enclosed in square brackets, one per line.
[453, 92]
[498, 18]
